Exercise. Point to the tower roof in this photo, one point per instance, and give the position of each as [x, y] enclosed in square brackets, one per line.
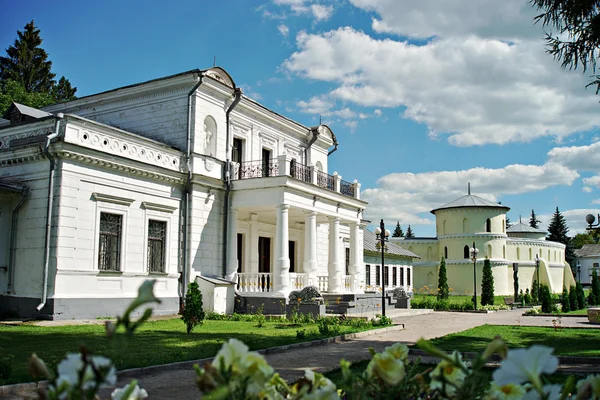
[470, 200]
[523, 228]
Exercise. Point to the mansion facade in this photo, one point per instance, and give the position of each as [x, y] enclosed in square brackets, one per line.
[512, 250]
[171, 179]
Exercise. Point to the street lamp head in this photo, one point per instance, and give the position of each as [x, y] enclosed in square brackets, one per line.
[377, 231]
[590, 219]
[474, 252]
[537, 258]
[387, 233]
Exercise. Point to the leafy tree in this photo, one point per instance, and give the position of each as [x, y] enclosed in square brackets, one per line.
[409, 232]
[575, 38]
[595, 290]
[443, 289]
[566, 305]
[487, 284]
[26, 69]
[573, 298]
[398, 230]
[557, 232]
[534, 292]
[580, 296]
[580, 239]
[533, 221]
[193, 312]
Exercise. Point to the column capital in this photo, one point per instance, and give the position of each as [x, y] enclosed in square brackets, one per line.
[284, 206]
[310, 213]
[334, 219]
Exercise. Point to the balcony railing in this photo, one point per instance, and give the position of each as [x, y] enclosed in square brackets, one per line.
[261, 282]
[284, 166]
[258, 169]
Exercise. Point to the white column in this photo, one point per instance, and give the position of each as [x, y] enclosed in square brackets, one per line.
[282, 258]
[356, 268]
[336, 266]
[232, 255]
[310, 247]
[252, 244]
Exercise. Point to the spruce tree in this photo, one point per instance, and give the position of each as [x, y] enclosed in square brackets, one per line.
[595, 290]
[443, 290]
[534, 292]
[193, 311]
[580, 296]
[409, 232]
[533, 221]
[573, 298]
[557, 232]
[487, 284]
[398, 230]
[566, 304]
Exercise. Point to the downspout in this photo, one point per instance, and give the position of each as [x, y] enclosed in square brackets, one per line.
[186, 194]
[315, 133]
[50, 158]
[13, 239]
[336, 144]
[237, 92]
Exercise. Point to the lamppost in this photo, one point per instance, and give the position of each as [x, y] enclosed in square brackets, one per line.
[382, 235]
[578, 272]
[537, 271]
[474, 252]
[593, 228]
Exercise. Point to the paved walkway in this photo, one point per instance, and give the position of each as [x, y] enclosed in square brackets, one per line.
[180, 384]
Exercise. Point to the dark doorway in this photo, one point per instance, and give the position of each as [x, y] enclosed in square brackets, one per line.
[240, 242]
[264, 254]
[266, 159]
[237, 151]
[292, 254]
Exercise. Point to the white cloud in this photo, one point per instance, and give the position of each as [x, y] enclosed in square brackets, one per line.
[587, 189]
[506, 19]
[593, 181]
[474, 90]
[321, 12]
[403, 196]
[322, 106]
[577, 157]
[283, 30]
[352, 125]
[378, 112]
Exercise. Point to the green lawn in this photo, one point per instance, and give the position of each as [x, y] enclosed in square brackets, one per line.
[156, 342]
[566, 342]
[577, 312]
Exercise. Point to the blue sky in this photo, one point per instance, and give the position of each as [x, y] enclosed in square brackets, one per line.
[423, 96]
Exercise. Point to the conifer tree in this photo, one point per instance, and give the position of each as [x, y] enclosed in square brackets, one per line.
[398, 230]
[534, 292]
[487, 284]
[580, 296]
[557, 232]
[595, 290]
[443, 289]
[566, 304]
[409, 232]
[573, 298]
[533, 221]
[193, 310]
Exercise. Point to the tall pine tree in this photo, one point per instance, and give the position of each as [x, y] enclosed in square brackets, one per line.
[557, 232]
[443, 289]
[409, 232]
[26, 69]
[398, 230]
[533, 221]
[487, 284]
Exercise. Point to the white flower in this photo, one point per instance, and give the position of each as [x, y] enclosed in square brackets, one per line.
[387, 368]
[321, 387]
[105, 366]
[551, 392]
[589, 387]
[136, 394]
[526, 365]
[230, 353]
[510, 391]
[398, 350]
[448, 374]
[68, 369]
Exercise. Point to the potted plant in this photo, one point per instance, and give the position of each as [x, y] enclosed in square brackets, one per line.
[402, 297]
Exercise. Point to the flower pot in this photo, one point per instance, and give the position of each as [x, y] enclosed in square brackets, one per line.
[314, 310]
[594, 315]
[402, 303]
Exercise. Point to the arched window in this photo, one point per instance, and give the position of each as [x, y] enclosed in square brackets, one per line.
[444, 227]
[489, 250]
[466, 252]
[465, 225]
[548, 255]
[504, 252]
[429, 253]
[503, 226]
[488, 225]
[209, 140]
[319, 166]
[518, 253]
[530, 254]
[445, 252]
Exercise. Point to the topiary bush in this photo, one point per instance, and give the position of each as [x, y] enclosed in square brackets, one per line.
[580, 296]
[573, 298]
[443, 290]
[193, 313]
[592, 300]
[566, 304]
[487, 284]
[546, 299]
[595, 290]
[534, 292]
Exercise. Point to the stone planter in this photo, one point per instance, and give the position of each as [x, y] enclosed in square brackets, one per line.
[594, 315]
[314, 310]
[402, 303]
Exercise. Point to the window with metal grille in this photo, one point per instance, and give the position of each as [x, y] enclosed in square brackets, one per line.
[377, 275]
[157, 234]
[407, 276]
[368, 275]
[386, 275]
[394, 276]
[401, 276]
[109, 247]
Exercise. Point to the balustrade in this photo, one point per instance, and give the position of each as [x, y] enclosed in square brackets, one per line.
[260, 282]
[325, 180]
[348, 283]
[300, 171]
[323, 284]
[258, 169]
[346, 188]
[297, 281]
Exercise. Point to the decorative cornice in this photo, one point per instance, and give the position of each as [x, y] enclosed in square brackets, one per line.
[109, 198]
[489, 236]
[158, 207]
[534, 242]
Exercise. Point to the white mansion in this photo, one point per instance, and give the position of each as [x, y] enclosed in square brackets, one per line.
[171, 179]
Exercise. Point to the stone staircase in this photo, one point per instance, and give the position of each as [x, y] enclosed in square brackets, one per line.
[357, 305]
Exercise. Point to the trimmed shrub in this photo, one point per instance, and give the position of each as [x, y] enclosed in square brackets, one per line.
[566, 304]
[580, 296]
[487, 284]
[443, 290]
[546, 299]
[534, 292]
[573, 298]
[595, 290]
[193, 313]
[592, 300]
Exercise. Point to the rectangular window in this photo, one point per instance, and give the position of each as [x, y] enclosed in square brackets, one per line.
[237, 150]
[266, 162]
[401, 276]
[407, 276]
[368, 275]
[157, 237]
[377, 275]
[394, 276]
[347, 261]
[386, 275]
[109, 246]
[596, 265]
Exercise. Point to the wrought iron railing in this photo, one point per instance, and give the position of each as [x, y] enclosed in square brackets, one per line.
[300, 171]
[258, 169]
[325, 180]
[346, 188]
